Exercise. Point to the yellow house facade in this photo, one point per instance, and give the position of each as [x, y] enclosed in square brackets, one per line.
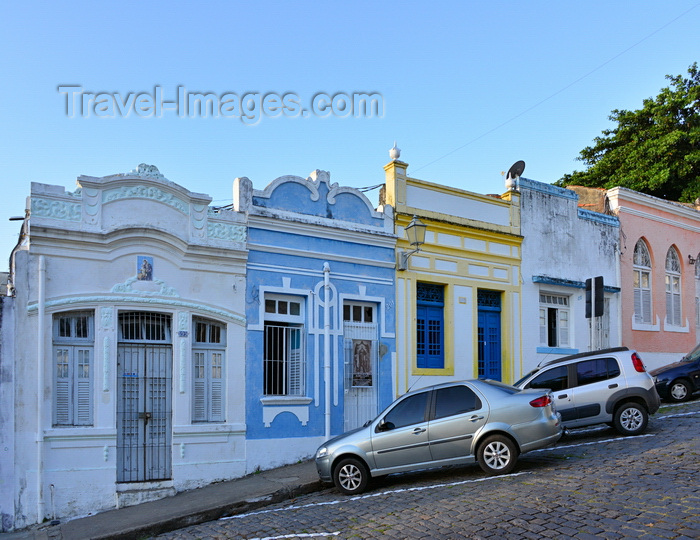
[458, 301]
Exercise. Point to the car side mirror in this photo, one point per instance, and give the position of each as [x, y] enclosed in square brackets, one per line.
[385, 426]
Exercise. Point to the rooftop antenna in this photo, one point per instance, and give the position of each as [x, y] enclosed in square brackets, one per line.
[514, 175]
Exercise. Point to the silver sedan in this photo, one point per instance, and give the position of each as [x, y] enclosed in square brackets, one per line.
[448, 424]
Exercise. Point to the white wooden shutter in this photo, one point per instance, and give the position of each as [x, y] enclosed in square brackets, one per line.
[295, 372]
[200, 387]
[543, 326]
[82, 385]
[62, 390]
[563, 328]
[646, 306]
[216, 387]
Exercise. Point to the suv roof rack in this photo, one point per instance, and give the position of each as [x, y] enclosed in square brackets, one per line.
[582, 355]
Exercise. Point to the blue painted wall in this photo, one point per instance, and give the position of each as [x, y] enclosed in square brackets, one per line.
[295, 226]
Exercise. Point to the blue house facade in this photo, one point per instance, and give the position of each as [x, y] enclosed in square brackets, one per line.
[320, 344]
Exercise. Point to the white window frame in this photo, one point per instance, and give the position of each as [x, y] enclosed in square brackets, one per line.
[208, 365]
[674, 313]
[359, 312]
[284, 326]
[560, 303]
[642, 283]
[73, 367]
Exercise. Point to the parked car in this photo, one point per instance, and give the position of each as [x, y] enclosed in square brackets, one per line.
[607, 386]
[447, 424]
[677, 381]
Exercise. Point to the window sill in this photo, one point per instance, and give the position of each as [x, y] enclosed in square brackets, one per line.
[645, 327]
[680, 329]
[285, 400]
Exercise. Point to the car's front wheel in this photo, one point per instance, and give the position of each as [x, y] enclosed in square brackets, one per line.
[631, 419]
[497, 455]
[679, 391]
[351, 476]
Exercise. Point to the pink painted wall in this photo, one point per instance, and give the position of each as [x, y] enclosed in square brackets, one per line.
[662, 224]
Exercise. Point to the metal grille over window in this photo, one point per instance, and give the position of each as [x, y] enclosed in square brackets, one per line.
[144, 326]
[488, 298]
[284, 368]
[428, 292]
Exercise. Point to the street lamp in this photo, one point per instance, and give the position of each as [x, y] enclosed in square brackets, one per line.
[415, 232]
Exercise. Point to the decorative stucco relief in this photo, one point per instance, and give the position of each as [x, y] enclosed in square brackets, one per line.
[199, 218]
[91, 199]
[223, 231]
[107, 317]
[145, 192]
[56, 209]
[146, 171]
[160, 288]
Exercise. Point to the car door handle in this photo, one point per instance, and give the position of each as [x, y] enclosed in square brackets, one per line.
[614, 385]
[563, 396]
[475, 418]
[418, 431]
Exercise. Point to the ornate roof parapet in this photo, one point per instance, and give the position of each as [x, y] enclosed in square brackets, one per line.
[314, 200]
[140, 199]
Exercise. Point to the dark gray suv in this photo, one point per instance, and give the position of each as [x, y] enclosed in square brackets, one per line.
[607, 386]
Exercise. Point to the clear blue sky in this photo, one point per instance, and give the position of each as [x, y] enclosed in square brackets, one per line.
[468, 87]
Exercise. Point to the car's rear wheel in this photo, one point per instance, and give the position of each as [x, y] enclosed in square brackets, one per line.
[631, 419]
[351, 476]
[679, 391]
[497, 455]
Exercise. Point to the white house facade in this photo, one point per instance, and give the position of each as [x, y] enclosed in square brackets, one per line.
[563, 246]
[123, 352]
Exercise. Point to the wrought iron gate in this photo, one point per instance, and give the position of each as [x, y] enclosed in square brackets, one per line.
[361, 373]
[144, 407]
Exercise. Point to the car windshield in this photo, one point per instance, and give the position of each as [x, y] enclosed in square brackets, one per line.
[692, 355]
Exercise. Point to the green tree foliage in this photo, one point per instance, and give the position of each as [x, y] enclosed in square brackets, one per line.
[653, 150]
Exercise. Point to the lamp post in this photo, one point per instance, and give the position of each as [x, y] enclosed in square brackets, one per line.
[415, 232]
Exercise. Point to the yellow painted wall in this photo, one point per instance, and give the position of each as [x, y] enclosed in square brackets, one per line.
[464, 255]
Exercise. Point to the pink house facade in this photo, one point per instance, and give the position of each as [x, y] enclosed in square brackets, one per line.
[659, 275]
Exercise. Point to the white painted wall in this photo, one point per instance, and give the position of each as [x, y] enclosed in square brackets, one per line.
[90, 241]
[563, 244]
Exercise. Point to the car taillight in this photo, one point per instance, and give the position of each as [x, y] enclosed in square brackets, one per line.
[541, 401]
[637, 363]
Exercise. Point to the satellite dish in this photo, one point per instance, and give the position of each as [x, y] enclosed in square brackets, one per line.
[516, 170]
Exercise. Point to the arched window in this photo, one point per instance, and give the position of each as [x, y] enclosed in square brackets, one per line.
[642, 283]
[673, 288]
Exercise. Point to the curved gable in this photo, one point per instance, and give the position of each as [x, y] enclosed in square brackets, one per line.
[317, 196]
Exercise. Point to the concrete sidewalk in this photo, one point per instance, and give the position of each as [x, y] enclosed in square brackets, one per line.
[187, 508]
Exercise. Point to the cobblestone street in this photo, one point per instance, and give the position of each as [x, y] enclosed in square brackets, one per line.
[593, 484]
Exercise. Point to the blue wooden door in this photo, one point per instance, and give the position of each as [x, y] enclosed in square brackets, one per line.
[430, 322]
[489, 334]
